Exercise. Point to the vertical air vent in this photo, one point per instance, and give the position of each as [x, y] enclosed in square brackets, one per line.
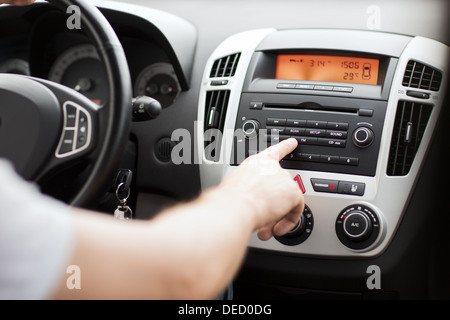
[225, 67]
[410, 124]
[418, 75]
[215, 112]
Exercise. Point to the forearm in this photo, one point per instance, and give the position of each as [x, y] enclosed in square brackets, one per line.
[190, 251]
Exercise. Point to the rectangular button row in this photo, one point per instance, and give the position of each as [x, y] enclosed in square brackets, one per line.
[314, 87]
[307, 132]
[322, 158]
[315, 124]
[336, 186]
[329, 142]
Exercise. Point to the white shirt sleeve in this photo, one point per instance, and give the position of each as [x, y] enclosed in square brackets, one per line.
[36, 239]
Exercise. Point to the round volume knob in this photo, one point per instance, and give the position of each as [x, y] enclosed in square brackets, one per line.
[363, 137]
[250, 128]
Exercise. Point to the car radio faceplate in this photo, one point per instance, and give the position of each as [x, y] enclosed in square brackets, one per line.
[362, 105]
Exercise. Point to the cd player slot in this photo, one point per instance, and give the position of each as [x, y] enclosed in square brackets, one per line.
[311, 106]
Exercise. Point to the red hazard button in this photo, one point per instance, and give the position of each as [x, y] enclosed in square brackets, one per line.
[299, 181]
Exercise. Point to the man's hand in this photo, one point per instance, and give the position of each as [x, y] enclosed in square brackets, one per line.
[270, 190]
[17, 2]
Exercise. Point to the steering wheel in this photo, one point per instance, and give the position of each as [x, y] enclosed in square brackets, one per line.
[45, 126]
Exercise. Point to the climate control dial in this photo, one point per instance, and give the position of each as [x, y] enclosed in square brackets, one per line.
[357, 227]
[301, 231]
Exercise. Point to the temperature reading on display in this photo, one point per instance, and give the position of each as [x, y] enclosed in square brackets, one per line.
[327, 68]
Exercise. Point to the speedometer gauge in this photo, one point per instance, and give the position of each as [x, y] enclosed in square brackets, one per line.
[159, 82]
[81, 69]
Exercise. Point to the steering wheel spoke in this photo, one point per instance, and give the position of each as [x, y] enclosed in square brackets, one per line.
[79, 131]
[46, 128]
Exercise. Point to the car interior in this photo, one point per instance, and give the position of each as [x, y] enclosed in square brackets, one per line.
[156, 101]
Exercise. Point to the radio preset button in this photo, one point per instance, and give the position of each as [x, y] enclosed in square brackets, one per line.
[329, 159]
[349, 161]
[308, 157]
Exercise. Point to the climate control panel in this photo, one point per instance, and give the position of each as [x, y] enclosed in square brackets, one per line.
[357, 226]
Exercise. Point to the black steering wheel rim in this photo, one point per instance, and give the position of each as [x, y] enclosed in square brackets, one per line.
[117, 113]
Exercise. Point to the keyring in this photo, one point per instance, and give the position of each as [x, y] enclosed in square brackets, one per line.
[124, 200]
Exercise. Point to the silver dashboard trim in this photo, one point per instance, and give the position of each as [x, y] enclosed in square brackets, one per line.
[386, 195]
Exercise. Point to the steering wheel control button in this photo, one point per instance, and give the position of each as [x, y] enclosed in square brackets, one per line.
[357, 227]
[322, 185]
[67, 142]
[363, 137]
[71, 117]
[76, 132]
[301, 231]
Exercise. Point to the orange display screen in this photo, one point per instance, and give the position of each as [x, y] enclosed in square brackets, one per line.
[327, 68]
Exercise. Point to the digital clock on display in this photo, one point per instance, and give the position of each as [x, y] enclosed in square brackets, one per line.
[327, 68]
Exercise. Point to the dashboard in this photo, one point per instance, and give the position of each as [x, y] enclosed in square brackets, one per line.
[363, 120]
[367, 107]
[42, 46]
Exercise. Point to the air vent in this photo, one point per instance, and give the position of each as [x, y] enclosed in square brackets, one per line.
[410, 124]
[215, 112]
[418, 75]
[225, 67]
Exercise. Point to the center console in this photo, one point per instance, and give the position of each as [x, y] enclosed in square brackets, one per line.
[362, 105]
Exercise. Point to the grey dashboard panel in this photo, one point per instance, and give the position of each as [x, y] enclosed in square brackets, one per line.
[385, 195]
[180, 34]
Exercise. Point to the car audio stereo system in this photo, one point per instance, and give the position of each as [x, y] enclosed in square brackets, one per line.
[362, 106]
